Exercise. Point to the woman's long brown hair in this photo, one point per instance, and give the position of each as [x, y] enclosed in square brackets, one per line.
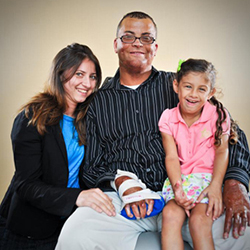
[47, 108]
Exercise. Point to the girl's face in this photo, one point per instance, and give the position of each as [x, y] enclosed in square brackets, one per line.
[81, 85]
[193, 91]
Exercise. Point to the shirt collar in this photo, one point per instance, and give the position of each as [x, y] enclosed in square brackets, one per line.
[207, 111]
[117, 84]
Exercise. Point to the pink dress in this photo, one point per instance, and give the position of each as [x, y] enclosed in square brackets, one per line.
[195, 146]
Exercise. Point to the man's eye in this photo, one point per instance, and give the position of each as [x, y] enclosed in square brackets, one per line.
[146, 38]
[128, 37]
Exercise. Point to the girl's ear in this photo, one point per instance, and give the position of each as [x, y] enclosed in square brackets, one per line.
[175, 86]
[211, 93]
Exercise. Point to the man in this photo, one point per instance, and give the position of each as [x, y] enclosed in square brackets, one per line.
[122, 128]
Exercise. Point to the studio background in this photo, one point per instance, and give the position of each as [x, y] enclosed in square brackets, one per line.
[33, 31]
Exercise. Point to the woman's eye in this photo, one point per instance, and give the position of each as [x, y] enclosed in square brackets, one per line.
[79, 74]
[93, 77]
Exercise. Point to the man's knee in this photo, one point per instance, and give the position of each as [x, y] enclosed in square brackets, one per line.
[73, 238]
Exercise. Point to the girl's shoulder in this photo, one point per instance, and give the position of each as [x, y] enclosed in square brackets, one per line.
[169, 116]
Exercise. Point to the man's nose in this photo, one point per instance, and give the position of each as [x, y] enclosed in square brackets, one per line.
[137, 42]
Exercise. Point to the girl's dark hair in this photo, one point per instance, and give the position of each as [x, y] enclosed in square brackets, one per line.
[47, 108]
[203, 66]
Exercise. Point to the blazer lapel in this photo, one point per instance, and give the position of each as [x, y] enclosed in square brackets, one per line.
[60, 141]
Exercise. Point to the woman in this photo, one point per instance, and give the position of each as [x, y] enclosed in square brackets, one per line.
[48, 138]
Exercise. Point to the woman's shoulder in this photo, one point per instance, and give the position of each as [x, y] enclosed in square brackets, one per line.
[22, 127]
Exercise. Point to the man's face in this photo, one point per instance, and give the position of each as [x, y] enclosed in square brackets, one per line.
[137, 57]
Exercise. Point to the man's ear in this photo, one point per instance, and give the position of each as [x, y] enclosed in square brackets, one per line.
[156, 48]
[175, 86]
[115, 45]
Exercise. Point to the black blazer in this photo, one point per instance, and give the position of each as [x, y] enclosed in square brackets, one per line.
[38, 198]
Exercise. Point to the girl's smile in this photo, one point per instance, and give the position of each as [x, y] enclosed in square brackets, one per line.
[193, 91]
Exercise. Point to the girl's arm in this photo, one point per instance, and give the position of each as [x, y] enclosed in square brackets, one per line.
[213, 191]
[173, 168]
[171, 159]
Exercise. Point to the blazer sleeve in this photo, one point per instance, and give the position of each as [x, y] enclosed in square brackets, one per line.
[29, 184]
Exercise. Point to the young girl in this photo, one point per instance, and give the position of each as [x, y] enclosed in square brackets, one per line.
[195, 137]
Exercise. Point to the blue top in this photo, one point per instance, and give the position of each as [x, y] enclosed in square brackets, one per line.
[75, 152]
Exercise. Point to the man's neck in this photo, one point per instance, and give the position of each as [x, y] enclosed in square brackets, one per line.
[133, 78]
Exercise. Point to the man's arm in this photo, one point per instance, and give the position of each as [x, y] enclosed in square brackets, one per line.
[95, 172]
[235, 196]
[239, 161]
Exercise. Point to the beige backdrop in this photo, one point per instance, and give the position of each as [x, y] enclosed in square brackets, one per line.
[33, 31]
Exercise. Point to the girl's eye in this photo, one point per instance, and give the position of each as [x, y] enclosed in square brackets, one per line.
[202, 89]
[188, 86]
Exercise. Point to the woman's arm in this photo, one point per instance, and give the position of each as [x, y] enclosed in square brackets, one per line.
[31, 180]
[33, 159]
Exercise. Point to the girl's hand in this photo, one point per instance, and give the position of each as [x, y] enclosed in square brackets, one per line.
[215, 205]
[97, 200]
[181, 198]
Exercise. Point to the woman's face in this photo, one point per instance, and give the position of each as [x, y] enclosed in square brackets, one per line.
[81, 85]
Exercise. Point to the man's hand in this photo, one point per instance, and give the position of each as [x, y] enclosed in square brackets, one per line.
[139, 208]
[237, 204]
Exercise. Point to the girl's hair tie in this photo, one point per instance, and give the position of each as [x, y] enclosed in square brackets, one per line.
[179, 64]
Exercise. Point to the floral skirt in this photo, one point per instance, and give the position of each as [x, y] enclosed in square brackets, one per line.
[192, 184]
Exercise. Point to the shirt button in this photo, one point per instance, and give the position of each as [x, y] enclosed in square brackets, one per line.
[137, 111]
[148, 170]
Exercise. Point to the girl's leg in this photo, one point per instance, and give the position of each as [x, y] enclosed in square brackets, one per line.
[200, 226]
[173, 217]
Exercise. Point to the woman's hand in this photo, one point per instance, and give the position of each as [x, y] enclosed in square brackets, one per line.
[97, 200]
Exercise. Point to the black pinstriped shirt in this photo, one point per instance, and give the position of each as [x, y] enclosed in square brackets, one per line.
[122, 133]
